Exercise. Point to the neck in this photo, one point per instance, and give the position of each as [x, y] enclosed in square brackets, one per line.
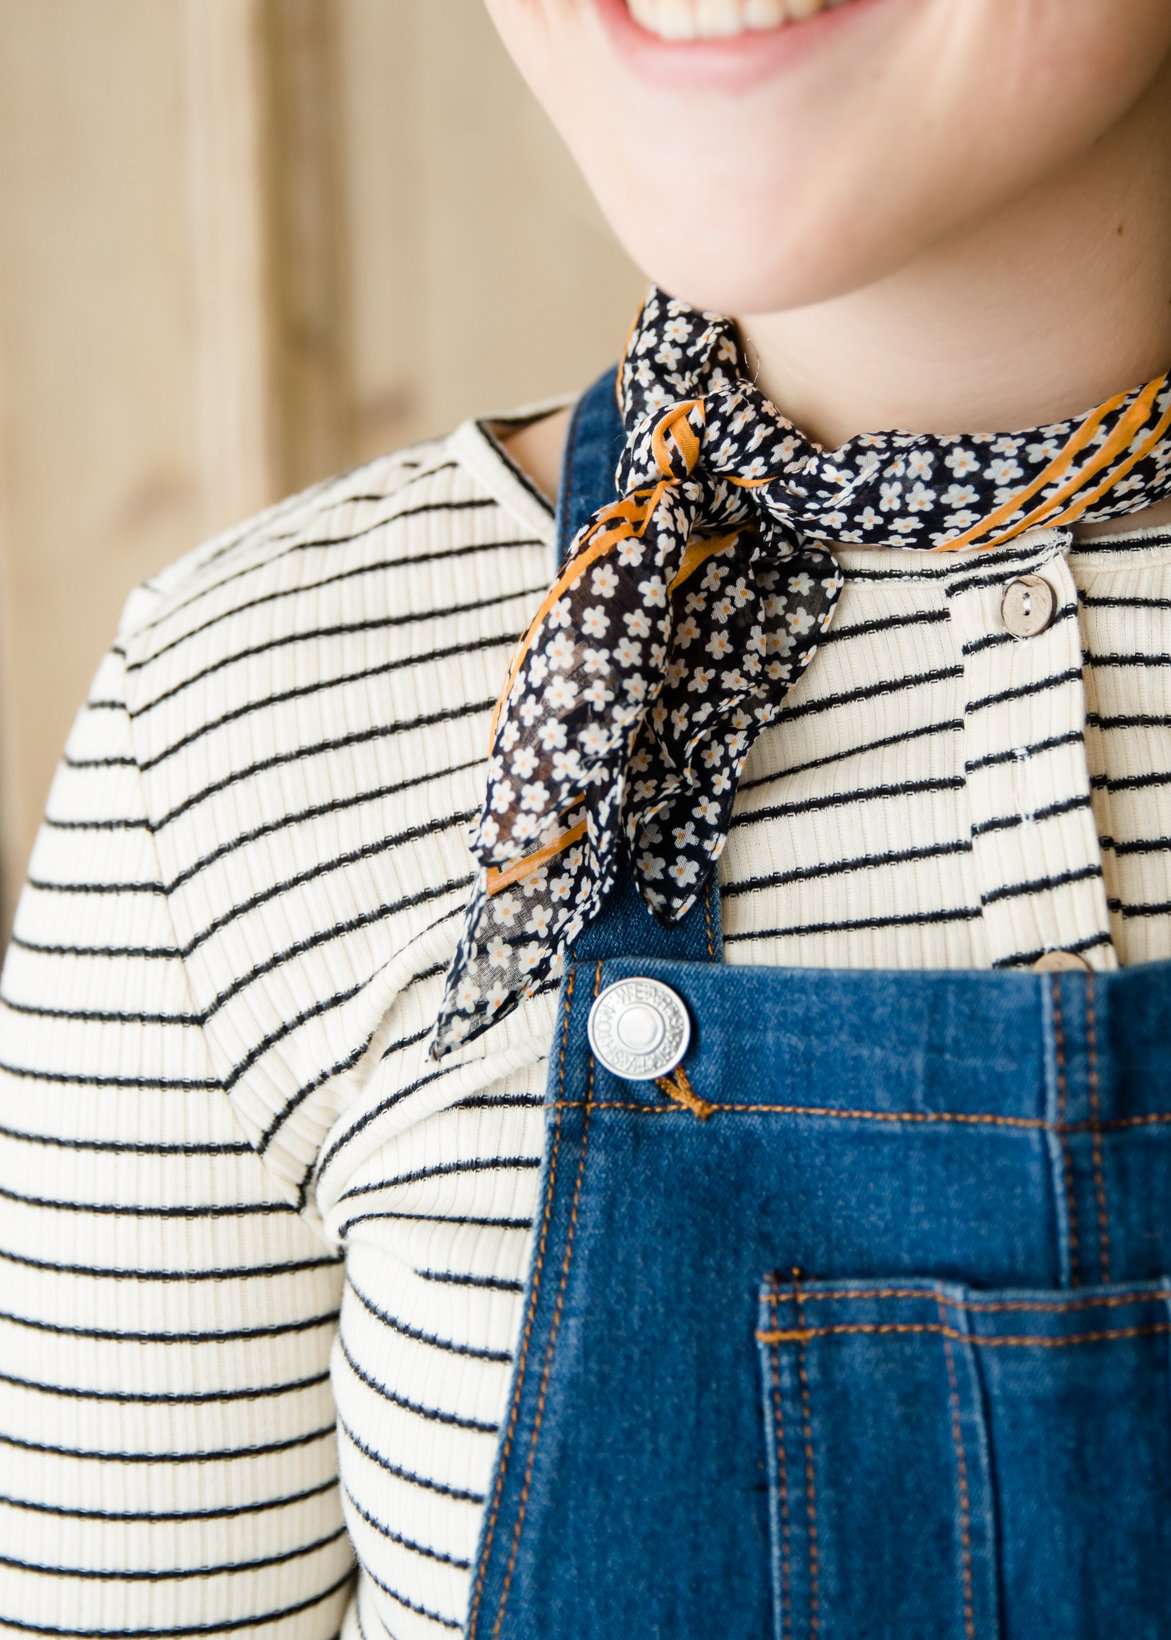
[1037, 313]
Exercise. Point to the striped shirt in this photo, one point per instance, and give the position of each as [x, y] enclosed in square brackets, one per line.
[262, 1259]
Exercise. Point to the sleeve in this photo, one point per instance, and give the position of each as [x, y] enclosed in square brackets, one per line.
[167, 1427]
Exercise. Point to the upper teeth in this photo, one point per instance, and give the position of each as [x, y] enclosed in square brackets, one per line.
[703, 19]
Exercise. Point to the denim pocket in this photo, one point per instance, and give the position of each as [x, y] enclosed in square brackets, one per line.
[948, 1461]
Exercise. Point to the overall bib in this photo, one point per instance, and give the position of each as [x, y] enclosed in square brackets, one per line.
[859, 1328]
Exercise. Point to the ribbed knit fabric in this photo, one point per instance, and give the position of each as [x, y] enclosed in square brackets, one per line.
[262, 1259]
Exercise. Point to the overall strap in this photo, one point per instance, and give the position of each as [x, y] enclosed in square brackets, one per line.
[624, 927]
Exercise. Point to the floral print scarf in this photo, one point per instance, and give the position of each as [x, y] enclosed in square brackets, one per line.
[689, 606]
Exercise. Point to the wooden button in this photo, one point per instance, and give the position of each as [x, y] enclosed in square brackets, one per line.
[1060, 959]
[1028, 605]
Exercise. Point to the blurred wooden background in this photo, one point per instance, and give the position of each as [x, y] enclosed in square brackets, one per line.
[247, 243]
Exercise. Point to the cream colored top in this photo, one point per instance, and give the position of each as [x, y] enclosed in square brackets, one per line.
[262, 1259]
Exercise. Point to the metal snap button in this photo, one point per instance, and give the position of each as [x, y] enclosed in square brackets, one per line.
[1028, 606]
[639, 1028]
[1060, 959]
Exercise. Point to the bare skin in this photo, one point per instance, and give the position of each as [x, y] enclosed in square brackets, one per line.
[983, 243]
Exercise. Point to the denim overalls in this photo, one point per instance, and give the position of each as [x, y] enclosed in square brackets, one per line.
[862, 1330]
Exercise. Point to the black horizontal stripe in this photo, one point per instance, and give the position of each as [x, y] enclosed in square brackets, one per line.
[833, 868]
[183, 1273]
[963, 578]
[170, 1517]
[1018, 959]
[380, 1109]
[323, 868]
[319, 686]
[45, 886]
[317, 811]
[113, 952]
[908, 919]
[293, 539]
[125, 1335]
[459, 1493]
[304, 589]
[876, 624]
[946, 726]
[1039, 686]
[201, 1210]
[441, 1170]
[464, 1278]
[1041, 885]
[1050, 811]
[412, 1605]
[130, 1147]
[435, 1415]
[338, 743]
[261, 1449]
[999, 640]
[475, 1220]
[96, 1016]
[870, 691]
[402, 1540]
[992, 760]
[78, 1079]
[185, 1630]
[169, 1574]
[1098, 658]
[194, 1398]
[835, 800]
[318, 634]
[405, 1329]
[322, 936]
[327, 1073]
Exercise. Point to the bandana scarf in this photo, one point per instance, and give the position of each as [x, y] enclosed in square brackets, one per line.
[688, 607]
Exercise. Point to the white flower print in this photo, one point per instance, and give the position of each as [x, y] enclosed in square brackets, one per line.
[597, 694]
[567, 766]
[506, 907]
[958, 495]
[635, 707]
[560, 694]
[560, 651]
[604, 580]
[962, 461]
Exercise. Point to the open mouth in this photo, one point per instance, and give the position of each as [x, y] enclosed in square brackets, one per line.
[719, 19]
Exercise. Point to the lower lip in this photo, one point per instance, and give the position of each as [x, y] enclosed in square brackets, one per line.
[730, 62]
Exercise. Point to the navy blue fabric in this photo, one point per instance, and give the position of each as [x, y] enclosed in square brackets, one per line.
[593, 444]
[874, 1343]
[592, 447]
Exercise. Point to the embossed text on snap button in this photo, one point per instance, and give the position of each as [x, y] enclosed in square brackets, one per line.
[639, 1028]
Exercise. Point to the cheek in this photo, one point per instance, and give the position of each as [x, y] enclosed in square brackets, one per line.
[816, 184]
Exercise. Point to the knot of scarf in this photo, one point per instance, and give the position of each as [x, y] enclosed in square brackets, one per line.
[687, 609]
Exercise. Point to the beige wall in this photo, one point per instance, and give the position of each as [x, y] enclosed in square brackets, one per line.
[246, 243]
